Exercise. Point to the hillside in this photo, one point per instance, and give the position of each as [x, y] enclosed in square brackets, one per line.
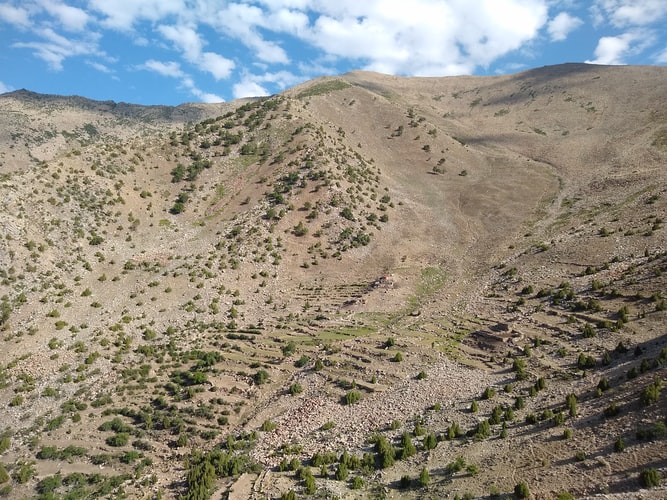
[366, 286]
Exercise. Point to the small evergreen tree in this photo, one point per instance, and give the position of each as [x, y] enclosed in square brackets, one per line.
[619, 445]
[430, 441]
[424, 477]
[521, 490]
[341, 472]
[408, 447]
[649, 478]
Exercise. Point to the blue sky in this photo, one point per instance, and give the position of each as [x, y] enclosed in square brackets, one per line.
[176, 51]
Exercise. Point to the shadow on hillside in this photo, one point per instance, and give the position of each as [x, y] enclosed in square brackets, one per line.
[543, 81]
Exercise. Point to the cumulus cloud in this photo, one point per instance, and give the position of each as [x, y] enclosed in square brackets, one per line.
[264, 45]
[613, 49]
[252, 85]
[220, 67]
[562, 25]
[14, 15]
[124, 14]
[172, 69]
[71, 18]
[624, 13]
[190, 43]
[204, 96]
[242, 21]
[248, 88]
[422, 37]
[54, 48]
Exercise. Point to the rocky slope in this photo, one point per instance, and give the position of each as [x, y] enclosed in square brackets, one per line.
[228, 298]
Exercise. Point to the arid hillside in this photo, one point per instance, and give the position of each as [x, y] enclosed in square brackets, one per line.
[364, 287]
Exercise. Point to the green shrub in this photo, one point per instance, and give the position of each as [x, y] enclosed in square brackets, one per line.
[430, 441]
[260, 377]
[488, 393]
[521, 490]
[408, 448]
[118, 440]
[588, 331]
[328, 425]
[295, 388]
[352, 397]
[358, 483]
[619, 444]
[612, 410]
[24, 473]
[16, 400]
[302, 361]
[650, 478]
[268, 426]
[483, 430]
[49, 484]
[385, 451]
[571, 402]
[656, 431]
[519, 367]
[424, 477]
[651, 393]
[603, 384]
[341, 472]
[5, 443]
[457, 465]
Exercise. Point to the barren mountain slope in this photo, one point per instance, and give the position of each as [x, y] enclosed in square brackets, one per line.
[286, 293]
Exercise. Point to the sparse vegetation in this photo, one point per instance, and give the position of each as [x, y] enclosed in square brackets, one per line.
[184, 290]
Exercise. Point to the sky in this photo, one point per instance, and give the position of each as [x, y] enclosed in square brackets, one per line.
[176, 51]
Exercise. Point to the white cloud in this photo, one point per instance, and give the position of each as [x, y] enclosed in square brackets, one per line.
[252, 85]
[420, 37]
[5, 88]
[171, 68]
[241, 22]
[623, 13]
[613, 49]
[185, 38]
[207, 97]
[99, 67]
[220, 67]
[248, 88]
[14, 15]
[123, 14]
[56, 48]
[426, 37]
[72, 18]
[562, 25]
[189, 42]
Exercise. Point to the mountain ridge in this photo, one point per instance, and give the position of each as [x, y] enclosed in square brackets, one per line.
[357, 259]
